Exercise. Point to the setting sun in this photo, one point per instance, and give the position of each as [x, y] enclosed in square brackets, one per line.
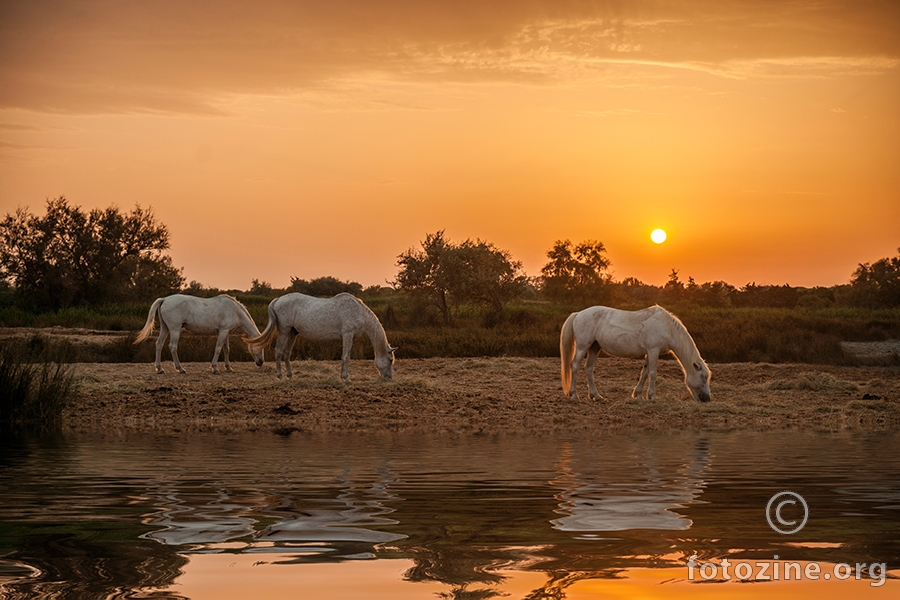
[658, 236]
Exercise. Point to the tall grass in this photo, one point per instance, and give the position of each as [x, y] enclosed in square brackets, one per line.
[32, 393]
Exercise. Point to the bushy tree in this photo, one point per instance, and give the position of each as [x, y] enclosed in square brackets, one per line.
[262, 288]
[877, 284]
[715, 293]
[448, 275]
[576, 273]
[636, 291]
[71, 257]
[777, 296]
[324, 287]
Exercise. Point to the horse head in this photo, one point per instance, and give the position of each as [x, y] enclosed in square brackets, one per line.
[258, 355]
[696, 377]
[385, 362]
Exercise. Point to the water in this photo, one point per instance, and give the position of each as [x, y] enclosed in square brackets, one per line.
[214, 515]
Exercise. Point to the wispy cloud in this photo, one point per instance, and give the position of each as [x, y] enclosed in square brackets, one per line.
[186, 58]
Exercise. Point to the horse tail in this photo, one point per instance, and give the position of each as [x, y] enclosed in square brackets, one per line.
[268, 334]
[567, 352]
[144, 333]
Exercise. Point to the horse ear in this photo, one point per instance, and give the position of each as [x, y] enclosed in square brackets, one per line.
[392, 348]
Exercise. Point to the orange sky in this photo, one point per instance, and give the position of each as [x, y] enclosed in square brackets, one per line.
[290, 138]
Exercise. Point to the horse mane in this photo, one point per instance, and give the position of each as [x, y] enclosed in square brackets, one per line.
[687, 348]
[236, 301]
[374, 324]
[376, 330]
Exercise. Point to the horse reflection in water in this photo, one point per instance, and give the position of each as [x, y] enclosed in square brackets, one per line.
[640, 492]
[632, 489]
[205, 518]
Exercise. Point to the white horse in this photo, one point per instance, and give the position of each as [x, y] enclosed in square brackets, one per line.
[219, 315]
[342, 317]
[633, 334]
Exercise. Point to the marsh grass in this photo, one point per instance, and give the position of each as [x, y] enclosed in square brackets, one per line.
[33, 389]
[526, 328]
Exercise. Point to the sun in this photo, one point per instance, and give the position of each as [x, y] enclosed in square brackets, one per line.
[658, 236]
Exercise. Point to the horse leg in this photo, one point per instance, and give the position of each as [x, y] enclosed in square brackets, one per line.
[652, 357]
[639, 388]
[174, 334]
[592, 355]
[160, 342]
[576, 363]
[221, 340]
[289, 351]
[345, 357]
[279, 352]
[225, 349]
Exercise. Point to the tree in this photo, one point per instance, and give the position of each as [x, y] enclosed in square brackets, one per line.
[576, 273]
[69, 257]
[324, 287]
[774, 296]
[448, 275]
[673, 291]
[261, 288]
[635, 290]
[877, 284]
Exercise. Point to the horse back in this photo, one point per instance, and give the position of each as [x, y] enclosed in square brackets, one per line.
[200, 315]
[623, 332]
[321, 318]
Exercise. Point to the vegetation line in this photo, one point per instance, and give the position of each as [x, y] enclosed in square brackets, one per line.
[101, 269]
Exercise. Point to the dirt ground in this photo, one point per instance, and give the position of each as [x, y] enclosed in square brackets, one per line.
[478, 395]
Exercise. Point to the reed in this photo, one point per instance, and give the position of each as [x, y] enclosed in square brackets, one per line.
[32, 392]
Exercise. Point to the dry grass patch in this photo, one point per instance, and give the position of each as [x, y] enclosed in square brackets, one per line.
[813, 382]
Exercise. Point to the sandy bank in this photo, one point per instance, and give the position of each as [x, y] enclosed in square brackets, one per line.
[479, 395]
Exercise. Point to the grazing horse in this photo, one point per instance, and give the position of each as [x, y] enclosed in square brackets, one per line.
[643, 333]
[219, 315]
[342, 317]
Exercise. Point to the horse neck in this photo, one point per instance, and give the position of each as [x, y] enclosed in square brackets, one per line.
[683, 345]
[248, 325]
[376, 334]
